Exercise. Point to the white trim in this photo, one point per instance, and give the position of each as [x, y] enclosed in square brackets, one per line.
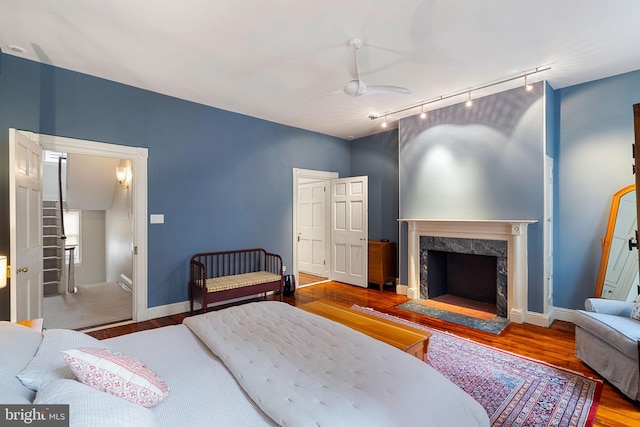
[138, 157]
[402, 289]
[538, 319]
[298, 175]
[167, 310]
[565, 314]
[184, 306]
[513, 231]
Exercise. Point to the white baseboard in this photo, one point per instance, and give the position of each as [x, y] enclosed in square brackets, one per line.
[183, 307]
[539, 319]
[565, 314]
[163, 310]
[401, 289]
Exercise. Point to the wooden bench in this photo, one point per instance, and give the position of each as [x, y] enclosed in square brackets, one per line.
[222, 276]
[408, 339]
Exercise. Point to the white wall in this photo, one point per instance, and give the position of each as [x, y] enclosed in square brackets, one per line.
[92, 269]
[119, 235]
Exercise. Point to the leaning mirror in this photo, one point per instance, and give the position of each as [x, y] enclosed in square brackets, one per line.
[618, 275]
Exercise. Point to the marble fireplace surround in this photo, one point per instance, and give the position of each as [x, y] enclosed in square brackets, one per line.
[514, 232]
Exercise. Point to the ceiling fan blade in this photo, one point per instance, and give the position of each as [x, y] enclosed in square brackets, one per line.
[353, 69]
[375, 89]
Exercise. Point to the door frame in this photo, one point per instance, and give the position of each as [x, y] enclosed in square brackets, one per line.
[300, 175]
[138, 157]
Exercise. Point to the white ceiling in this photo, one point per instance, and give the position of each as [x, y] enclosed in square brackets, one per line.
[276, 59]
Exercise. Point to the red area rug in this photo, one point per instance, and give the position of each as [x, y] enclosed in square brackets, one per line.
[514, 390]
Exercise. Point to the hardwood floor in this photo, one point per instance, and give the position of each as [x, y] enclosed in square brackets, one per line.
[554, 345]
[307, 279]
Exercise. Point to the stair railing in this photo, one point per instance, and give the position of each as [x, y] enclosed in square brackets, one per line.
[71, 288]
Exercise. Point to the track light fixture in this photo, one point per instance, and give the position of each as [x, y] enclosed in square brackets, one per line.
[423, 114]
[527, 86]
[469, 103]
[468, 91]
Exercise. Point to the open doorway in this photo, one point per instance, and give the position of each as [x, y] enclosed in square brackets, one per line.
[330, 227]
[87, 274]
[26, 214]
[311, 231]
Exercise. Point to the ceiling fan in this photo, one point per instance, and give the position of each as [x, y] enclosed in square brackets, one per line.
[357, 87]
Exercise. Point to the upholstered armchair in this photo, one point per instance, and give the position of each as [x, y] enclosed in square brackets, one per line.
[607, 340]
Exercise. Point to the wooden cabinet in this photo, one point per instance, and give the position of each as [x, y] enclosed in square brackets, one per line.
[382, 262]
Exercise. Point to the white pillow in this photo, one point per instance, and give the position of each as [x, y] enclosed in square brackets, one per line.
[49, 363]
[89, 407]
[635, 310]
[117, 374]
[18, 346]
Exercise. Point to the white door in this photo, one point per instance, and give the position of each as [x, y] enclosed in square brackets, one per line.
[622, 267]
[25, 199]
[349, 230]
[311, 228]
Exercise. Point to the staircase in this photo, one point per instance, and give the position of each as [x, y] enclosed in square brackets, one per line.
[53, 251]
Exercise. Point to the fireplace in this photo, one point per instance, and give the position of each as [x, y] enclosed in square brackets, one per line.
[505, 240]
[474, 269]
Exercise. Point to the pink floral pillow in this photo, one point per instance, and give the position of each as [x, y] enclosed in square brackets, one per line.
[117, 374]
[635, 310]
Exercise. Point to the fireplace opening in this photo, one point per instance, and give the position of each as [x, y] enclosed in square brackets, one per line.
[469, 276]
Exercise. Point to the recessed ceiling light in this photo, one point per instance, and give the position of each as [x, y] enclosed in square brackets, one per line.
[17, 49]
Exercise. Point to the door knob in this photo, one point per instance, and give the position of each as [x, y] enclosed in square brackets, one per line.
[633, 242]
[23, 270]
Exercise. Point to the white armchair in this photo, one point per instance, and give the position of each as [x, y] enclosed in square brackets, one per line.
[608, 340]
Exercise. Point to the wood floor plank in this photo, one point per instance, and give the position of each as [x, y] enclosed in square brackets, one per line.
[554, 345]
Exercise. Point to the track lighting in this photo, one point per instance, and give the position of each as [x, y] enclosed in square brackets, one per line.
[527, 86]
[469, 102]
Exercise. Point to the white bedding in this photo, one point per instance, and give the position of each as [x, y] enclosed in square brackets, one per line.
[304, 370]
[202, 391]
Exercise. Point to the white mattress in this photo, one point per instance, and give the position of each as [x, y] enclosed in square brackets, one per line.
[202, 391]
[305, 370]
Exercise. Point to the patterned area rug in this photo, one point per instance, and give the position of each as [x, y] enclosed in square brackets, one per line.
[494, 326]
[514, 390]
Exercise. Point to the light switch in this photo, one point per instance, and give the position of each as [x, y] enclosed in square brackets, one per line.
[156, 219]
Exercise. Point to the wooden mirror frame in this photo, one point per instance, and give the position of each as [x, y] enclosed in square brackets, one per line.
[608, 238]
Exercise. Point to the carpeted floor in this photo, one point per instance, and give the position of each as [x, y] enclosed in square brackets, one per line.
[494, 326]
[514, 390]
[92, 305]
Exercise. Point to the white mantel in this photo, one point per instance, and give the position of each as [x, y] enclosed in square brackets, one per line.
[514, 232]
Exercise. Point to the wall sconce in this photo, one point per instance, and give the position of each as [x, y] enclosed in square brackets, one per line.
[3, 271]
[123, 174]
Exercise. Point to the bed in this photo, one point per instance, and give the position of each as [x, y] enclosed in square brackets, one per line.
[258, 364]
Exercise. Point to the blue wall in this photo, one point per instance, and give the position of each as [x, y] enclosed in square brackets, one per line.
[222, 180]
[377, 157]
[593, 161]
